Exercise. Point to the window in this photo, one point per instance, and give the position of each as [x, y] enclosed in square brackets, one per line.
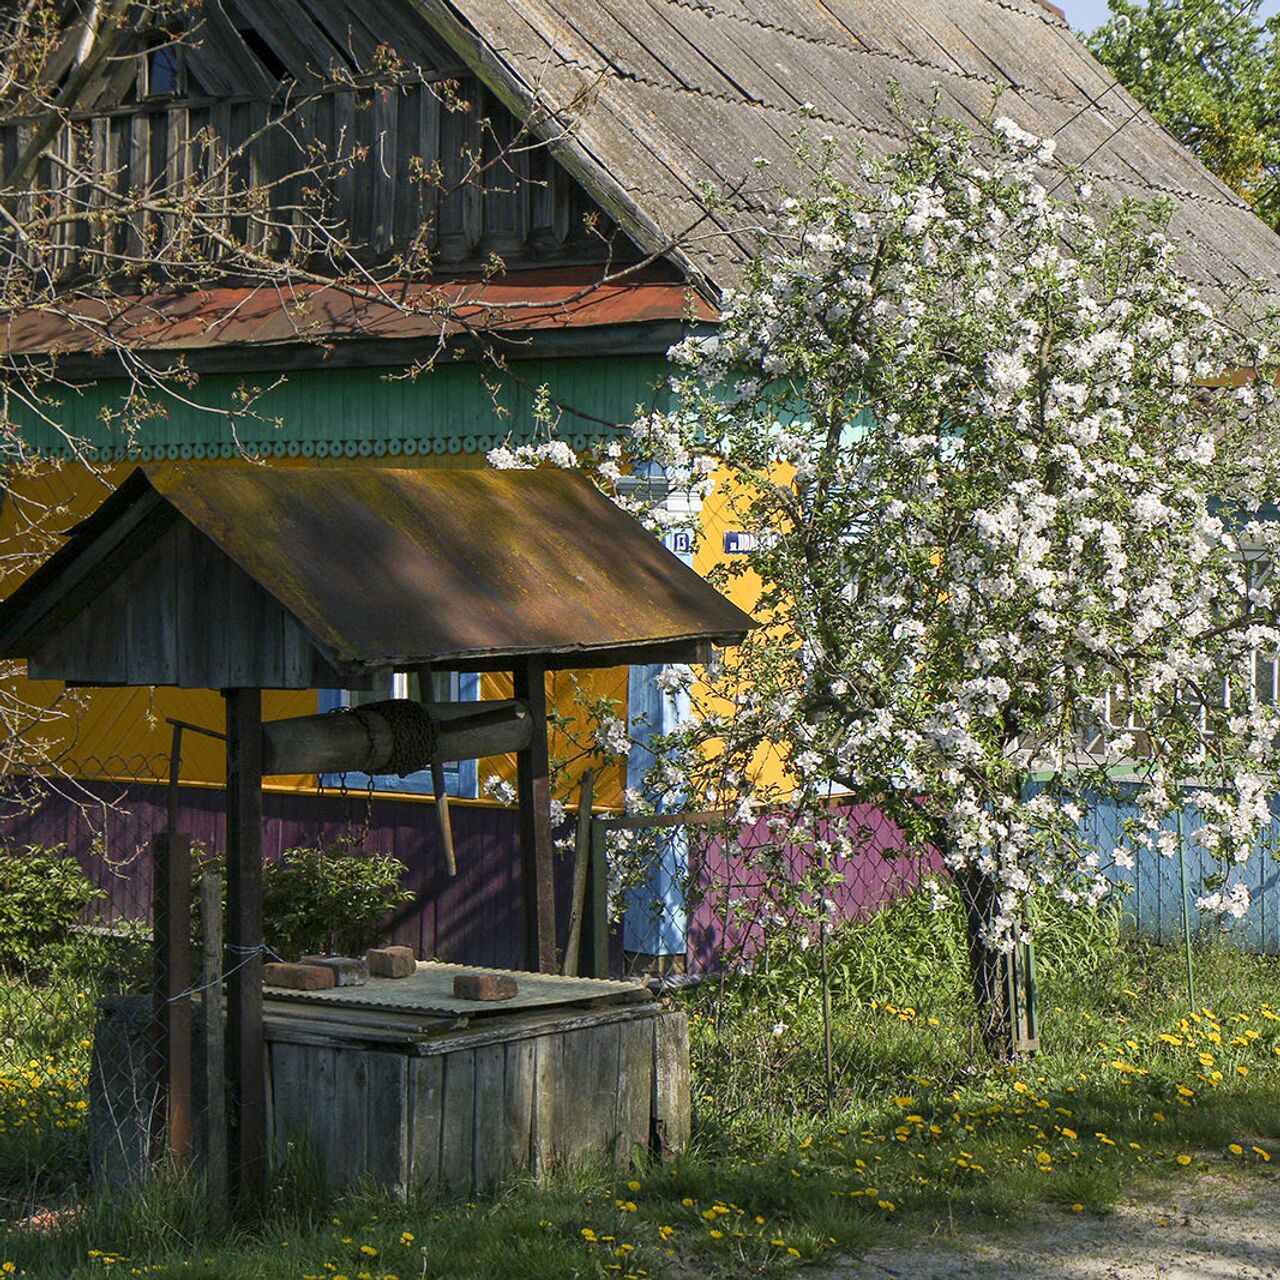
[164, 71]
[460, 777]
[1259, 681]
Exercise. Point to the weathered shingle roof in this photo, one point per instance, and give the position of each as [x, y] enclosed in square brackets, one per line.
[682, 96]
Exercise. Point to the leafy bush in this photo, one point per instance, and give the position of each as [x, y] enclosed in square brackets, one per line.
[326, 901]
[42, 894]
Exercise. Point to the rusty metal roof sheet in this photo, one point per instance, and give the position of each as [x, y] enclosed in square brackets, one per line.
[275, 315]
[387, 567]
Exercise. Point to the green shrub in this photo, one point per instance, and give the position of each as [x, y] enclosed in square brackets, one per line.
[326, 901]
[42, 894]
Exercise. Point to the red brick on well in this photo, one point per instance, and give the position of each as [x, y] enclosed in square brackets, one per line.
[298, 977]
[484, 986]
[391, 962]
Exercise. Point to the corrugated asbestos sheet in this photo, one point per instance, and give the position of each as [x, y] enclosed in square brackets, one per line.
[692, 93]
[385, 567]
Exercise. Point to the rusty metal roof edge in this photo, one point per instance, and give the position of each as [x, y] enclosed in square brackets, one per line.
[719, 638]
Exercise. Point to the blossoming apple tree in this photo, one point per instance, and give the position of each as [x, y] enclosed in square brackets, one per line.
[1006, 476]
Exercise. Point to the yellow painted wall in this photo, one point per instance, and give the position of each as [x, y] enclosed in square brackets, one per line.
[717, 518]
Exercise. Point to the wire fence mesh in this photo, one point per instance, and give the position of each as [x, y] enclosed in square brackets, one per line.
[763, 918]
[75, 954]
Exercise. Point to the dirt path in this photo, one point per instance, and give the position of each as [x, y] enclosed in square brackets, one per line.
[1214, 1229]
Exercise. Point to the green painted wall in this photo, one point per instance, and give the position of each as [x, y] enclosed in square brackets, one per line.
[357, 412]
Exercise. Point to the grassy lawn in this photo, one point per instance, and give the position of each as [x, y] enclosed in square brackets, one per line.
[1131, 1088]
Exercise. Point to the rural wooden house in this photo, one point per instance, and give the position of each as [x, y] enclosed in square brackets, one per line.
[562, 226]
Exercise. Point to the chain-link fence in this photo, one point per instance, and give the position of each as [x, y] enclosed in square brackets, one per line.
[75, 958]
[841, 913]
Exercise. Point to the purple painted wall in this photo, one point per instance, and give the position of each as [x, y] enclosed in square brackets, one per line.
[475, 918]
[744, 883]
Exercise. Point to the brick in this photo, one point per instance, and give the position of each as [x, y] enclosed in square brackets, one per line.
[347, 970]
[298, 977]
[391, 962]
[484, 986]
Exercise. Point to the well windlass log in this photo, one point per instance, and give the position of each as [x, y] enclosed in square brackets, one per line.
[399, 736]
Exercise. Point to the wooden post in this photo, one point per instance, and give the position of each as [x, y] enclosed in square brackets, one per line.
[171, 943]
[444, 823]
[581, 865]
[536, 855]
[245, 1068]
[595, 919]
[215, 1100]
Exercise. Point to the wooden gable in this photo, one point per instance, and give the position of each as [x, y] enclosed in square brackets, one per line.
[182, 614]
[256, 577]
[357, 124]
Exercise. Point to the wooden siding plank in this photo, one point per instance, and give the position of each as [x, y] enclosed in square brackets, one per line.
[224, 45]
[546, 1076]
[635, 1091]
[426, 1086]
[292, 36]
[598, 1117]
[387, 1158]
[520, 1061]
[351, 1116]
[383, 175]
[490, 1116]
[671, 1103]
[321, 1095]
[458, 1127]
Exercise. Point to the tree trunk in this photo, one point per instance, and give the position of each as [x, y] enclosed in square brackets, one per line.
[987, 967]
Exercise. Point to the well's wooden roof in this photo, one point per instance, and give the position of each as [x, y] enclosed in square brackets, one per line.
[685, 95]
[359, 569]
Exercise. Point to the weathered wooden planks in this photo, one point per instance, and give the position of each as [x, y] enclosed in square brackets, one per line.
[181, 614]
[671, 1113]
[467, 1109]
[386, 167]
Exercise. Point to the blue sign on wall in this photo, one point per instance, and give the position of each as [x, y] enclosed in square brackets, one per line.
[737, 542]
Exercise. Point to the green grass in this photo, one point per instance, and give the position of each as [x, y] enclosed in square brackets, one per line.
[46, 1038]
[922, 1129]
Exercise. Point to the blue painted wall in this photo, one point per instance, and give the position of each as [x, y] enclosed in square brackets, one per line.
[1152, 891]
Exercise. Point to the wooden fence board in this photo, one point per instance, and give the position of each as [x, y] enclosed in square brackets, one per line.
[426, 1088]
[458, 1123]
